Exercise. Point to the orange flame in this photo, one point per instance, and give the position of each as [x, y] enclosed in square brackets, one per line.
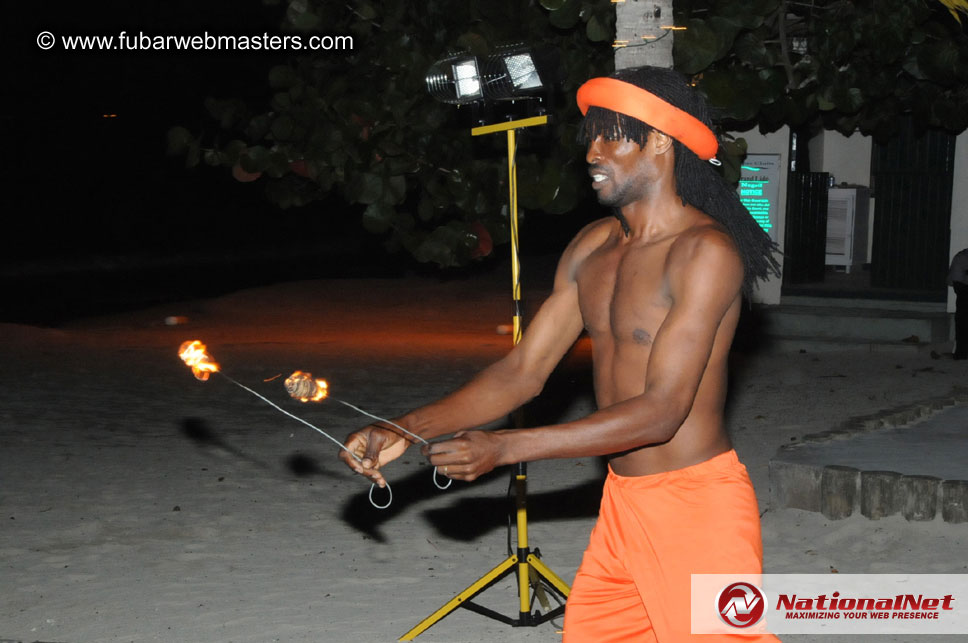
[193, 353]
[304, 388]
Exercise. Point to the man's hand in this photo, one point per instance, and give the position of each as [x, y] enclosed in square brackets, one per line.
[375, 446]
[468, 455]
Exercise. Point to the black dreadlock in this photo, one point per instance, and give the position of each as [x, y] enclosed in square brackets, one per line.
[697, 182]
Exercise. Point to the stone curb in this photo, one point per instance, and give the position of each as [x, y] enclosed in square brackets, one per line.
[838, 491]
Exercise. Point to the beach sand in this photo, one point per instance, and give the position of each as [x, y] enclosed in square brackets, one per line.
[139, 504]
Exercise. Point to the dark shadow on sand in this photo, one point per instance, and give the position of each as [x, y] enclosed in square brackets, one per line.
[299, 464]
[198, 431]
[360, 514]
[304, 465]
[468, 518]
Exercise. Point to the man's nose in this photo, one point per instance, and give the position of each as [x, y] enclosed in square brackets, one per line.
[594, 152]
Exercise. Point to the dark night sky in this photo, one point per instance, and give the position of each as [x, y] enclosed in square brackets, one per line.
[90, 198]
[108, 181]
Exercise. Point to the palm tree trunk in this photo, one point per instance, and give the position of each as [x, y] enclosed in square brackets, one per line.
[639, 27]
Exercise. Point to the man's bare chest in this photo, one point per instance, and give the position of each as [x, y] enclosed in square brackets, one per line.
[623, 295]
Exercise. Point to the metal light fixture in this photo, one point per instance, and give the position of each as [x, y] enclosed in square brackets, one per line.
[456, 80]
[512, 73]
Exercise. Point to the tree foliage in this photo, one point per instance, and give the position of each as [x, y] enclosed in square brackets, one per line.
[840, 64]
[362, 124]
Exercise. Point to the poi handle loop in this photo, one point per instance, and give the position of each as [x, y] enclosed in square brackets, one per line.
[450, 481]
[389, 500]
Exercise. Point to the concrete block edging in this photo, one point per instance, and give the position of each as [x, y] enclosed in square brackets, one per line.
[838, 491]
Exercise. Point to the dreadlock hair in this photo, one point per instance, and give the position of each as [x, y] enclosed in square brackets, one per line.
[697, 182]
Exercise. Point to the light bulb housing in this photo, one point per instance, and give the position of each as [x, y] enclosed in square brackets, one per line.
[455, 79]
[514, 72]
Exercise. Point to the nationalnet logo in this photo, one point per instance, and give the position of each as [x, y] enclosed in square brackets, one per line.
[913, 604]
[741, 605]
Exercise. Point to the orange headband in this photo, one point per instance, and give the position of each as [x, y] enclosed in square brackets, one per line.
[625, 98]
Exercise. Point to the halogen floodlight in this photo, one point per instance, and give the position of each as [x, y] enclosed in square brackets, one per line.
[455, 79]
[511, 74]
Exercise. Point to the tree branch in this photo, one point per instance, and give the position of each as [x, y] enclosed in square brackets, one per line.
[785, 45]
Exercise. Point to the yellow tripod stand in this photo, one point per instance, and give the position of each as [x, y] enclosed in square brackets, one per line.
[528, 565]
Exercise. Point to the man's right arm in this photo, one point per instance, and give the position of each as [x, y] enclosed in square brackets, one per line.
[497, 390]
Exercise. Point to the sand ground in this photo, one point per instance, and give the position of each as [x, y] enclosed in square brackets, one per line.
[138, 504]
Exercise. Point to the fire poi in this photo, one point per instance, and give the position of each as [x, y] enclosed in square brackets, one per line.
[302, 387]
[194, 353]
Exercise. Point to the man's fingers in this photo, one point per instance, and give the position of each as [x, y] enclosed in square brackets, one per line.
[375, 477]
[367, 450]
[440, 448]
[349, 460]
[451, 471]
[366, 467]
[436, 454]
[371, 457]
[458, 472]
[446, 459]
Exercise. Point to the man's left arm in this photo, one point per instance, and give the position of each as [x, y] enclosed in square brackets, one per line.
[705, 277]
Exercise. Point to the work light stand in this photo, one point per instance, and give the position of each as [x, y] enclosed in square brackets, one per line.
[531, 571]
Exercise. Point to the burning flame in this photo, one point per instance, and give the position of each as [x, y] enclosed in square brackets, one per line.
[304, 388]
[193, 353]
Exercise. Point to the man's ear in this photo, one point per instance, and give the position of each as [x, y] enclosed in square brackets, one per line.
[661, 142]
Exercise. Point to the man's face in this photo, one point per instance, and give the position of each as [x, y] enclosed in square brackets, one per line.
[621, 172]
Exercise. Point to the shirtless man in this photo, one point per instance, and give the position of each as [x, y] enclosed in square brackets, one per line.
[658, 289]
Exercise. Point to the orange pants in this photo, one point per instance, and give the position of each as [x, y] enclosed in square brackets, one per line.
[653, 532]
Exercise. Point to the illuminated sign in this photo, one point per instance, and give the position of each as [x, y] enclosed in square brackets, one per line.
[759, 189]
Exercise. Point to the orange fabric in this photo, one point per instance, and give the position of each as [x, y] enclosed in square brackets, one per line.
[626, 98]
[652, 533]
